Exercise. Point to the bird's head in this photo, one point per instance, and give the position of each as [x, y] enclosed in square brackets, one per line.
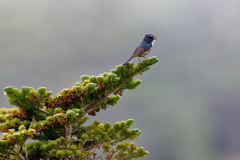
[149, 38]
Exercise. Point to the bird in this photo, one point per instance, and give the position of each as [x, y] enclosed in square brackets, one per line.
[144, 48]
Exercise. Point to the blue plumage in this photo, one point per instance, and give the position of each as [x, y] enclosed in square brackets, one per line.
[144, 48]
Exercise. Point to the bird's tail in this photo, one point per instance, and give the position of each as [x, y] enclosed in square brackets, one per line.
[128, 60]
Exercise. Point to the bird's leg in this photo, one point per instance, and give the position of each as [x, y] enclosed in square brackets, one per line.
[140, 61]
[145, 58]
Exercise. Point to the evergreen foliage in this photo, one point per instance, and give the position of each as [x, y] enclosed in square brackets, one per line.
[56, 124]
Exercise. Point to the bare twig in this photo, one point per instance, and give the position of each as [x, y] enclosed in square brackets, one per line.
[21, 148]
[86, 141]
[125, 157]
[98, 145]
[76, 140]
[18, 154]
[4, 156]
[68, 129]
[111, 154]
[75, 129]
[43, 111]
[122, 151]
[26, 152]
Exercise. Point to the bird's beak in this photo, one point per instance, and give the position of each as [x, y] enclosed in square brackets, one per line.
[155, 38]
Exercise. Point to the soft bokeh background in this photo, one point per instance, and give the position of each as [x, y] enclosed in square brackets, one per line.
[188, 106]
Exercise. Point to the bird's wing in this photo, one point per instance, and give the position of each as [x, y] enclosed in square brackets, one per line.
[138, 51]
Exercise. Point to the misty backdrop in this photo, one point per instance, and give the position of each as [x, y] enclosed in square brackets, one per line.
[188, 105]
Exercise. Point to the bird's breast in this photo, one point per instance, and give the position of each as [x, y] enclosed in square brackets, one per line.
[145, 53]
[153, 42]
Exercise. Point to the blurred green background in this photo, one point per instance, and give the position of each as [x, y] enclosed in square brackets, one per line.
[188, 106]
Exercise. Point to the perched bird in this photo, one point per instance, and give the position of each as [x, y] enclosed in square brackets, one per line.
[144, 47]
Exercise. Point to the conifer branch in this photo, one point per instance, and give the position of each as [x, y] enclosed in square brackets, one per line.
[55, 133]
[103, 97]
[94, 103]
[39, 109]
